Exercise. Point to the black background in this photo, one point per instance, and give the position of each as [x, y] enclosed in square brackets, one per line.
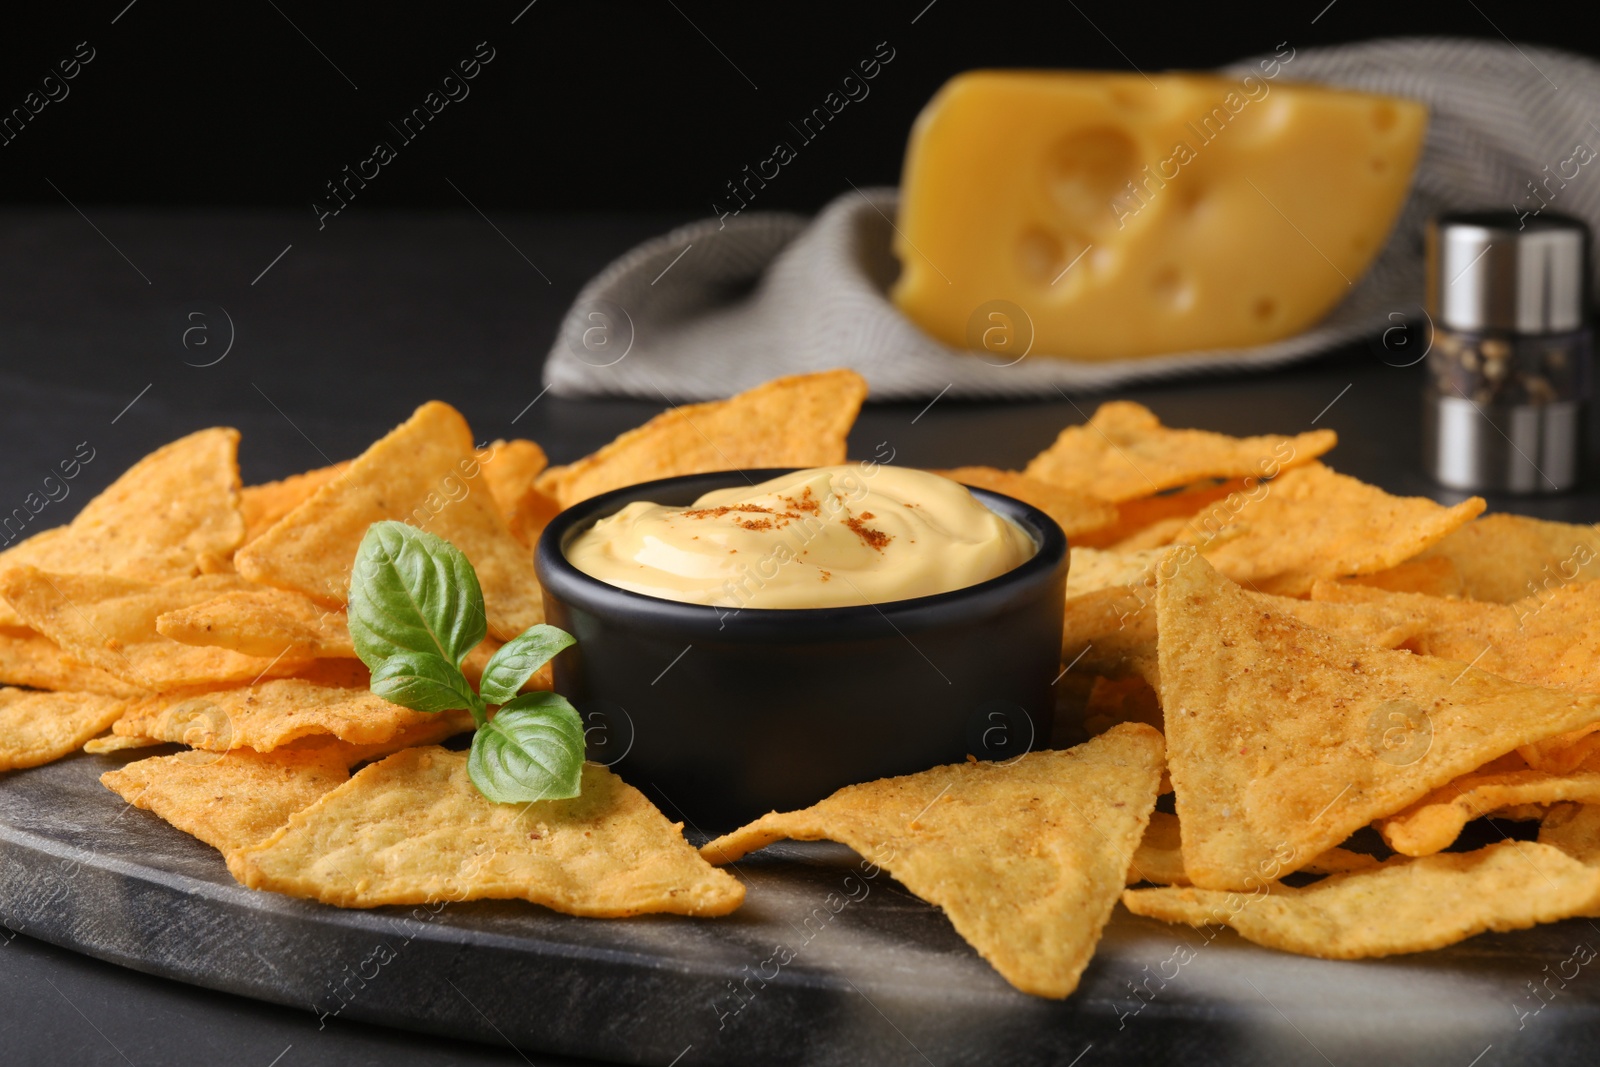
[601, 106]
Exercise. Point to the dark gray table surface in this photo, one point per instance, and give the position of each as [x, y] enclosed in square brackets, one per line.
[334, 343]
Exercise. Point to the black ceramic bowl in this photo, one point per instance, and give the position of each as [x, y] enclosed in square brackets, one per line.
[722, 716]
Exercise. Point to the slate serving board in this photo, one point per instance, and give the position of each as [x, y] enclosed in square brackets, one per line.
[824, 964]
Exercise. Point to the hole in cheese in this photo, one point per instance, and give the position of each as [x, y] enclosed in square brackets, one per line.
[1086, 169]
[1172, 290]
[1039, 254]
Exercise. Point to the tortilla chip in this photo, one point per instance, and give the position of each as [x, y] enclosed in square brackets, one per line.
[262, 622]
[1159, 858]
[229, 801]
[1158, 534]
[414, 829]
[532, 514]
[425, 473]
[1114, 700]
[1575, 830]
[1111, 630]
[1503, 558]
[1093, 569]
[1402, 905]
[1140, 520]
[33, 660]
[1124, 453]
[110, 623]
[1026, 858]
[107, 744]
[1313, 523]
[1076, 513]
[263, 505]
[1284, 739]
[268, 715]
[1433, 575]
[798, 421]
[38, 728]
[174, 508]
[1433, 823]
[1552, 641]
[510, 468]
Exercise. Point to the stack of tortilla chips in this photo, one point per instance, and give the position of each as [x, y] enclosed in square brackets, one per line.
[1293, 655]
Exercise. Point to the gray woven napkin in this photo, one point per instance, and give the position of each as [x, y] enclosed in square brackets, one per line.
[723, 304]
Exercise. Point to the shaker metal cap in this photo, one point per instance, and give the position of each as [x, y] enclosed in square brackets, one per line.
[1496, 270]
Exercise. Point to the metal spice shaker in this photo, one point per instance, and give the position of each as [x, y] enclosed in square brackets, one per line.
[1509, 362]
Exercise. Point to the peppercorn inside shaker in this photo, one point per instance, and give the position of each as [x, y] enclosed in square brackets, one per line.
[1509, 363]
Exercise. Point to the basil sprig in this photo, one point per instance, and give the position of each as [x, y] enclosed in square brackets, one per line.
[416, 610]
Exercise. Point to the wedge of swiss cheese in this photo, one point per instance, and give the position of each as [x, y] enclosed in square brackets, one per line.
[1103, 216]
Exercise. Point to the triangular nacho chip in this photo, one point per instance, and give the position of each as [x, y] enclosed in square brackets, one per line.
[1508, 557]
[414, 829]
[1433, 823]
[165, 516]
[1124, 453]
[231, 800]
[1403, 905]
[425, 472]
[31, 659]
[1433, 575]
[1076, 513]
[1284, 739]
[106, 744]
[269, 715]
[798, 421]
[1139, 520]
[262, 622]
[1159, 858]
[263, 505]
[510, 468]
[1575, 830]
[110, 623]
[38, 728]
[1027, 859]
[1314, 523]
[1552, 640]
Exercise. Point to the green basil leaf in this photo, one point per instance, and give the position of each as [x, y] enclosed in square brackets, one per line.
[531, 750]
[424, 682]
[413, 592]
[516, 661]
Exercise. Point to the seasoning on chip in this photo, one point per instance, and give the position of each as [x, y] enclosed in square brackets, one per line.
[1159, 858]
[268, 715]
[28, 658]
[1150, 518]
[110, 623]
[1403, 905]
[1313, 523]
[971, 837]
[1508, 557]
[262, 622]
[263, 505]
[425, 472]
[413, 829]
[1433, 823]
[171, 515]
[37, 728]
[798, 421]
[1124, 453]
[1283, 739]
[1076, 513]
[230, 800]
[511, 468]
